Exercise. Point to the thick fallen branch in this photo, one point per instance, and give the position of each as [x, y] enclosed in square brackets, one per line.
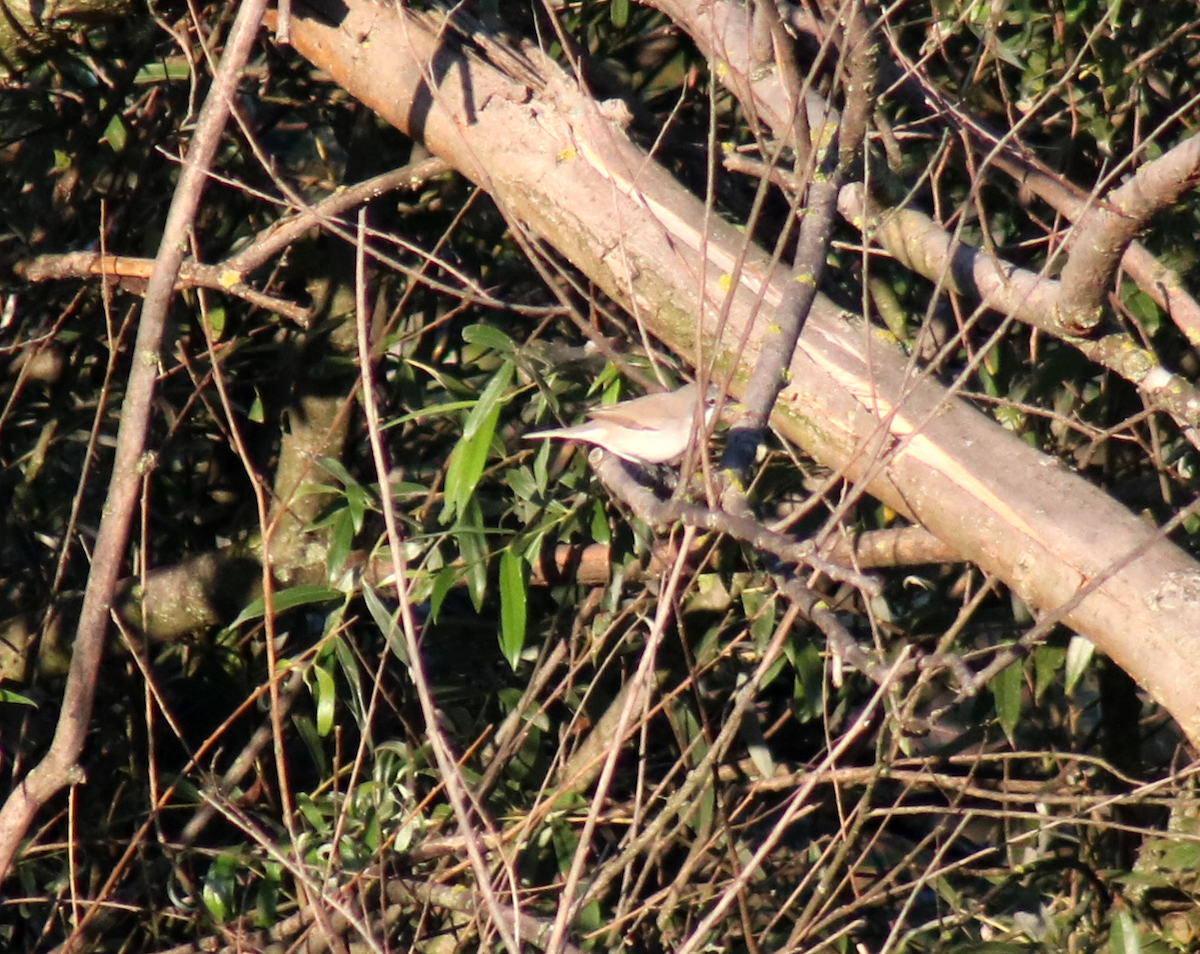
[556, 167]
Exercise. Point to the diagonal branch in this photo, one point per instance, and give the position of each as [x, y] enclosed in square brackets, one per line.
[919, 243]
[1103, 233]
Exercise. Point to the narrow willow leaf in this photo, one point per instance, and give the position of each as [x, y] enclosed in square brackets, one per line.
[486, 336]
[443, 583]
[512, 606]
[1124, 938]
[1006, 689]
[469, 456]
[1047, 661]
[325, 696]
[386, 622]
[341, 539]
[473, 546]
[221, 886]
[288, 599]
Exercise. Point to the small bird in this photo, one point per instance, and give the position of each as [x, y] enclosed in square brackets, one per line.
[652, 429]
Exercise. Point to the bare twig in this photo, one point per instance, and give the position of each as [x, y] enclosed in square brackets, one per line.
[450, 775]
[660, 513]
[641, 684]
[700, 933]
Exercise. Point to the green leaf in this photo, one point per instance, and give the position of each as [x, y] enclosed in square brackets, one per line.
[1143, 307]
[385, 621]
[774, 670]
[1180, 858]
[335, 468]
[520, 481]
[467, 461]
[288, 599]
[312, 813]
[987, 371]
[357, 502]
[1047, 661]
[220, 886]
[1006, 689]
[266, 912]
[115, 134]
[350, 672]
[469, 456]
[325, 696]
[564, 842]
[1124, 938]
[691, 734]
[432, 410]
[535, 540]
[407, 488]
[330, 490]
[216, 321]
[485, 336]
[341, 539]
[1010, 418]
[472, 545]
[489, 401]
[761, 612]
[513, 570]
[443, 583]
[808, 688]
[312, 740]
[756, 743]
[161, 72]
[600, 529]
[540, 469]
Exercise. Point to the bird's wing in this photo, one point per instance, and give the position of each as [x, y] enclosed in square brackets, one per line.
[649, 412]
[619, 415]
